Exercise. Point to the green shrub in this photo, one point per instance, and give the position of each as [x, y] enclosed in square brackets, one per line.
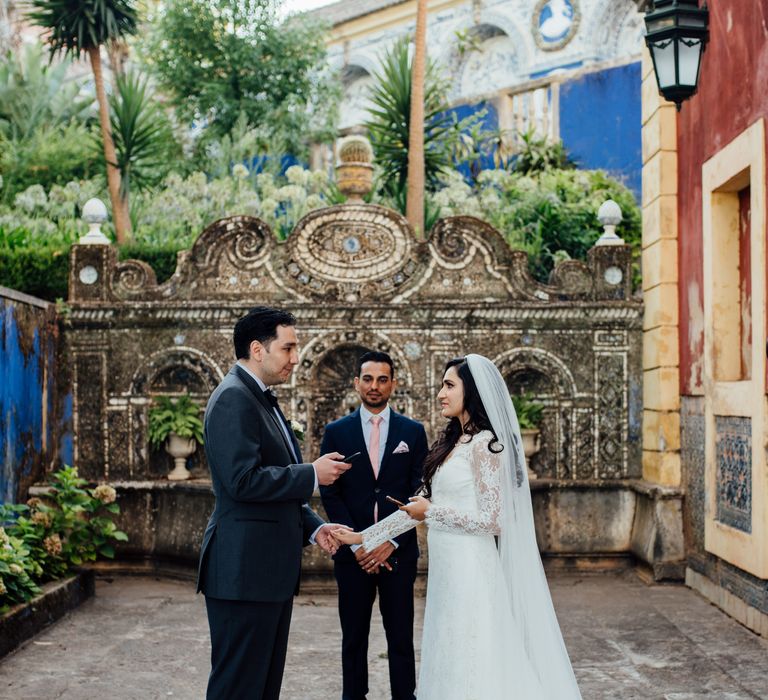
[18, 571]
[52, 155]
[45, 137]
[550, 214]
[50, 536]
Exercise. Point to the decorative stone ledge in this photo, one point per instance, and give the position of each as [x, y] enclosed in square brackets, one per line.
[24, 621]
[580, 524]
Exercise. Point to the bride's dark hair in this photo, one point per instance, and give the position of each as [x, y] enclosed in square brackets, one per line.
[478, 421]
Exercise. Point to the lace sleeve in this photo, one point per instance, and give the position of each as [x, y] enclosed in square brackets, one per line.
[485, 466]
[387, 529]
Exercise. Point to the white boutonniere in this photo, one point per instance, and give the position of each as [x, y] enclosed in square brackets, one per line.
[298, 430]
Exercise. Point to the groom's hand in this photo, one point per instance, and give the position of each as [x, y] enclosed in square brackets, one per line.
[371, 561]
[328, 468]
[325, 539]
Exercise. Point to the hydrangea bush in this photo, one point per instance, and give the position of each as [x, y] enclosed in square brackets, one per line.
[48, 537]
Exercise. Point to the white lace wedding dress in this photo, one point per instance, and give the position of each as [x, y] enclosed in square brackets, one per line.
[471, 648]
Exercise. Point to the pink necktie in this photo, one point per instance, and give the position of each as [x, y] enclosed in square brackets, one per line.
[373, 444]
[373, 453]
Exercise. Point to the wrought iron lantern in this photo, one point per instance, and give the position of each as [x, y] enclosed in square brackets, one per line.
[677, 32]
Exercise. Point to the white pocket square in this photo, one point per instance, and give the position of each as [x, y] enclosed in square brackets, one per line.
[401, 448]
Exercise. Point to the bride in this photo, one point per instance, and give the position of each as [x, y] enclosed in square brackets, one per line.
[490, 631]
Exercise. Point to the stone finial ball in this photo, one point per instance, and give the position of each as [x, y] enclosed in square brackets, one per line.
[609, 213]
[94, 211]
[355, 149]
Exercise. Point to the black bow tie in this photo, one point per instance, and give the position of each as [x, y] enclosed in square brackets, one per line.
[272, 399]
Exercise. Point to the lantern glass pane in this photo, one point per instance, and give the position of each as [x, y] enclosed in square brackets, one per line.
[664, 59]
[690, 53]
[653, 24]
[697, 21]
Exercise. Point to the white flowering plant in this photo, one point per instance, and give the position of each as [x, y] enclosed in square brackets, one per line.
[46, 538]
[550, 214]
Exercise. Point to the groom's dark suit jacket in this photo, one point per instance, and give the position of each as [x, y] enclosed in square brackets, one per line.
[350, 499]
[252, 546]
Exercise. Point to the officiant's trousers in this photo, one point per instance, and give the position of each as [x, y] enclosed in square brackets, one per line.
[248, 646]
[357, 593]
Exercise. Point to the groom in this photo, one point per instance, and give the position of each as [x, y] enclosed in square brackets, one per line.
[392, 449]
[251, 553]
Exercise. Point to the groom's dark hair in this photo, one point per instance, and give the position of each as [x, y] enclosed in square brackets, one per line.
[375, 356]
[260, 323]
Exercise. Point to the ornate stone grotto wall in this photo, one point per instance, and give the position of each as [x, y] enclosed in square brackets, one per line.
[356, 277]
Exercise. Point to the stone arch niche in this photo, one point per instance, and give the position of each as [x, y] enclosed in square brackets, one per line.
[173, 372]
[547, 379]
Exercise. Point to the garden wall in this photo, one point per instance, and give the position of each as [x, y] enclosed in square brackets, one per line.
[356, 277]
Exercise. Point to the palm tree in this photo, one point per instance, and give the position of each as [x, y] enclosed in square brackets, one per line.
[415, 200]
[82, 26]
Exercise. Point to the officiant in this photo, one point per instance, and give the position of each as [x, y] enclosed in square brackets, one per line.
[392, 450]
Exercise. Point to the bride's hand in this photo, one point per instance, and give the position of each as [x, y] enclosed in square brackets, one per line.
[417, 508]
[344, 536]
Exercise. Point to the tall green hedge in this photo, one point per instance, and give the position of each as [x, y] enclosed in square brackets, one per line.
[43, 272]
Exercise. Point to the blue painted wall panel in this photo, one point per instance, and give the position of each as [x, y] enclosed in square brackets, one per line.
[600, 121]
[26, 394]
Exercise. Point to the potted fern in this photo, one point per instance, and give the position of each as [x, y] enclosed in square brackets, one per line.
[176, 423]
[529, 416]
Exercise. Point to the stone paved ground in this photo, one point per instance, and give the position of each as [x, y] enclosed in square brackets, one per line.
[147, 638]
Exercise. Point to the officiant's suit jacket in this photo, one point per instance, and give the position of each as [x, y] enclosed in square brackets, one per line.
[350, 499]
[252, 546]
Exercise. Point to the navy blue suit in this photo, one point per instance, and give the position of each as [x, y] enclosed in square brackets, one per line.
[350, 501]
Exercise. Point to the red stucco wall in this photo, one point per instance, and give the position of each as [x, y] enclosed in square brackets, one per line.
[733, 94]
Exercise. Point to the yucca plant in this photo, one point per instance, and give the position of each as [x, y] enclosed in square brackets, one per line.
[180, 416]
[389, 122]
[144, 140]
[75, 27]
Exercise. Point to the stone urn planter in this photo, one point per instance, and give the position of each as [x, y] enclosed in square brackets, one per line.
[174, 423]
[180, 448]
[531, 445]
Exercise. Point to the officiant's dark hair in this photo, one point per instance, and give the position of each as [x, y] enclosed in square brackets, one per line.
[478, 421]
[260, 323]
[375, 356]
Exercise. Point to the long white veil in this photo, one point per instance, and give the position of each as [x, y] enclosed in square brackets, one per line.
[531, 604]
